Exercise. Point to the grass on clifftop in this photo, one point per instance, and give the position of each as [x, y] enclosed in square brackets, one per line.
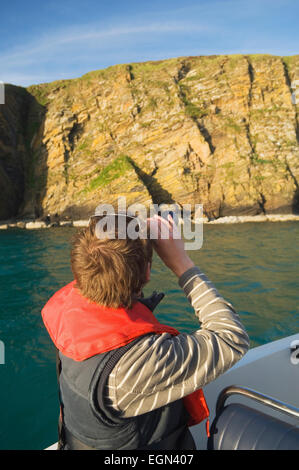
[41, 91]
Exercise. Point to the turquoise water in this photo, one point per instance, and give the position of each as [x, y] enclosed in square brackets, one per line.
[253, 265]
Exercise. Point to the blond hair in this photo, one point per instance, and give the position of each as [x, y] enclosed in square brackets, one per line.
[109, 271]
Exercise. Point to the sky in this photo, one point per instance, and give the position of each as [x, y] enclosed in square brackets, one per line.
[47, 40]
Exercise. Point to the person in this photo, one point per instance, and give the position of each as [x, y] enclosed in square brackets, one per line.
[126, 381]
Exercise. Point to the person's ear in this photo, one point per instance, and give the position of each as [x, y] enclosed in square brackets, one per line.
[148, 272]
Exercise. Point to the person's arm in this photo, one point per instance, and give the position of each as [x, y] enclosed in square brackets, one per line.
[160, 369]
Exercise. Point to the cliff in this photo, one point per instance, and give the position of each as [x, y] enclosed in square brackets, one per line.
[217, 130]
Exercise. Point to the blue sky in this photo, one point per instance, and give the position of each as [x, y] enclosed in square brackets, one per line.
[42, 41]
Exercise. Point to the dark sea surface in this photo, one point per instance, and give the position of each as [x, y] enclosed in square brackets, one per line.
[253, 265]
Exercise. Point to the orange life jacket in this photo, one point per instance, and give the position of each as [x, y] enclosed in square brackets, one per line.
[81, 329]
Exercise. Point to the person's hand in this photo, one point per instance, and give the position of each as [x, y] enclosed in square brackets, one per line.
[168, 244]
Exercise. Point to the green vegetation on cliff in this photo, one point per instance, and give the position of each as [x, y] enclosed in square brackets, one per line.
[109, 173]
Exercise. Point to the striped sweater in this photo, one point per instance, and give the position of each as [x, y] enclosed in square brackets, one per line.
[160, 369]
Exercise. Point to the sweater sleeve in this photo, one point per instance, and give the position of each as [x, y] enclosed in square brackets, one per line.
[160, 369]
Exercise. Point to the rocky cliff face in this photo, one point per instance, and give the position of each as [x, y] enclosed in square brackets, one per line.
[217, 130]
[12, 150]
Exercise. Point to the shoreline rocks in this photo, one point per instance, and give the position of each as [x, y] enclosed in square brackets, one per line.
[233, 219]
[35, 225]
[238, 219]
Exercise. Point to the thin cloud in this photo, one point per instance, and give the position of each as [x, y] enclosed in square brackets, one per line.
[76, 50]
[86, 37]
[197, 28]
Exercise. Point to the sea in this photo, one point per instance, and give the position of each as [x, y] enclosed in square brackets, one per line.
[253, 265]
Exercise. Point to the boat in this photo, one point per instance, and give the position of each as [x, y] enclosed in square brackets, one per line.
[255, 404]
